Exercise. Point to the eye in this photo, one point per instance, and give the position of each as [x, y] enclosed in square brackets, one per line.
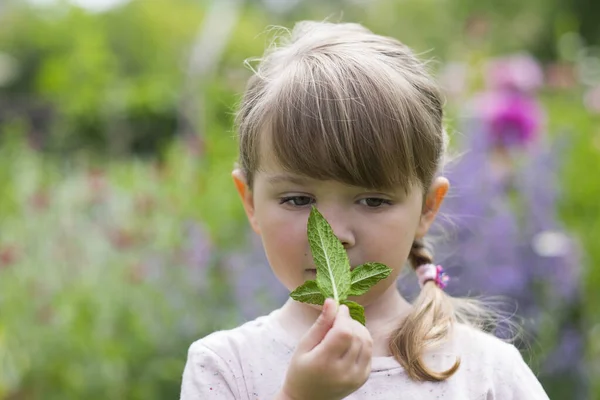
[296, 201]
[374, 202]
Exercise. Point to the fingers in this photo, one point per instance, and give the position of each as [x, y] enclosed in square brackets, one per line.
[351, 355]
[361, 350]
[339, 339]
[347, 338]
[366, 353]
[320, 328]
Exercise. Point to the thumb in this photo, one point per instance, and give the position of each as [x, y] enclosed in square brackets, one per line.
[322, 325]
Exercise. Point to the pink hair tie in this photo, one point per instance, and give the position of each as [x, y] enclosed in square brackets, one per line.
[431, 272]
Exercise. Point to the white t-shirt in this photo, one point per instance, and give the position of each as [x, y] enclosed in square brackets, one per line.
[250, 363]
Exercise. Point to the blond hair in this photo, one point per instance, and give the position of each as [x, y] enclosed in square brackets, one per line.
[336, 101]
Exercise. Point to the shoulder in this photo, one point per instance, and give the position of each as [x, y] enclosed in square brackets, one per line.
[215, 363]
[478, 352]
[485, 351]
[498, 362]
[483, 346]
[227, 342]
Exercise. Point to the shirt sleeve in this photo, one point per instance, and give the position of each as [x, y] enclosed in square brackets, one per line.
[521, 383]
[207, 376]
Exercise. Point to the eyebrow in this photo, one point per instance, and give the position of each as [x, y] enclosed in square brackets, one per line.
[287, 178]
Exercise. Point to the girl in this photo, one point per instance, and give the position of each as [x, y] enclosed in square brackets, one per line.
[350, 122]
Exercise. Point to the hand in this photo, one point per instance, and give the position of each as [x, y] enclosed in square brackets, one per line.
[332, 360]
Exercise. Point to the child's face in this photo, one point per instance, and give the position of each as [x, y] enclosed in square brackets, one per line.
[374, 226]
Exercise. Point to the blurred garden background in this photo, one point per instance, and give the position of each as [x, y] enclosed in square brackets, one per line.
[121, 236]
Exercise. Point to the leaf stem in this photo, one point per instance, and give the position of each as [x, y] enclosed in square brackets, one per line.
[336, 297]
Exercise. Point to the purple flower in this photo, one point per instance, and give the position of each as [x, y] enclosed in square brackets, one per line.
[198, 252]
[568, 351]
[255, 287]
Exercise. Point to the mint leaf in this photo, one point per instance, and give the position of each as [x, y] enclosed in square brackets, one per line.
[333, 267]
[365, 276]
[334, 277]
[309, 293]
[357, 312]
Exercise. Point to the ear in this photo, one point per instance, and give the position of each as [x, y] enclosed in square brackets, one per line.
[433, 201]
[239, 178]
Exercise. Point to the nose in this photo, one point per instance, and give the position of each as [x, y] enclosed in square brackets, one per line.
[341, 224]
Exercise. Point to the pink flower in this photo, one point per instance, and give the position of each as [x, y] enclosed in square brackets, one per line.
[561, 76]
[145, 204]
[122, 239]
[511, 118]
[136, 273]
[592, 100]
[40, 200]
[8, 255]
[453, 78]
[520, 72]
[477, 26]
[97, 185]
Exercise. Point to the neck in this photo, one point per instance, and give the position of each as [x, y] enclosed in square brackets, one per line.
[383, 315]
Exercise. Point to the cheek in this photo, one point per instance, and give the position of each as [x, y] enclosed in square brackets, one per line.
[390, 239]
[389, 244]
[282, 228]
[284, 238]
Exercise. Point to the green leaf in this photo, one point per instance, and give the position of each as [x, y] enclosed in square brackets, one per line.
[331, 260]
[366, 276]
[309, 293]
[357, 312]
[334, 277]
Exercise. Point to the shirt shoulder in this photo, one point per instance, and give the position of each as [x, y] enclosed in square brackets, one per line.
[231, 341]
[233, 363]
[481, 345]
[498, 362]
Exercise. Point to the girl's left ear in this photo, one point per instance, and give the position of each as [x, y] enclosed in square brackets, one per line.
[433, 201]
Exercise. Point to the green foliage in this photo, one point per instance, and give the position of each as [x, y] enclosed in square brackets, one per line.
[111, 80]
[98, 296]
[579, 203]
